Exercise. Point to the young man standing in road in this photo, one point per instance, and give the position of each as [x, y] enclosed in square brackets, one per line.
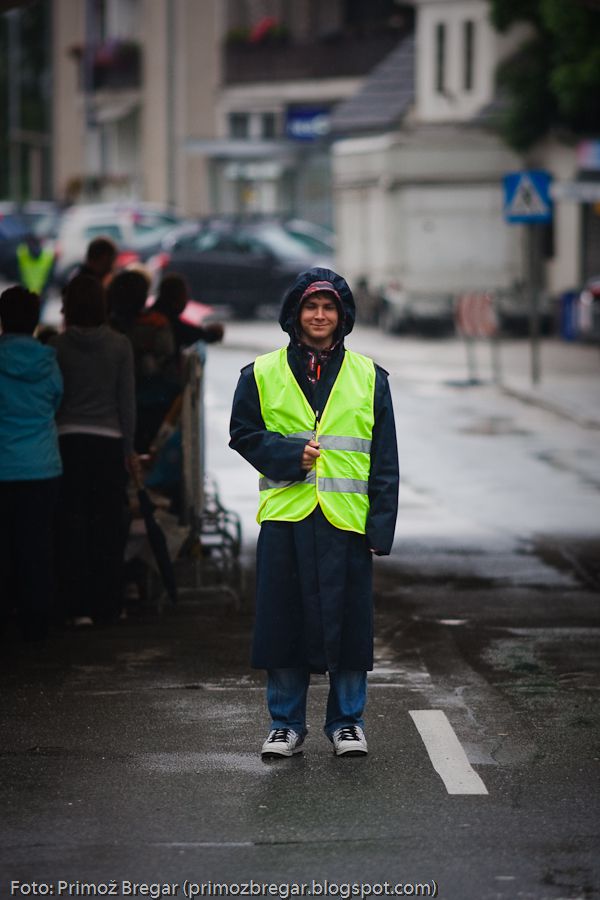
[316, 420]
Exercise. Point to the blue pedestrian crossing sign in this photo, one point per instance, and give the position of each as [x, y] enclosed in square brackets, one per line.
[527, 196]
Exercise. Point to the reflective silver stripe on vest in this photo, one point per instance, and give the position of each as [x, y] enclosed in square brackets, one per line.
[344, 485]
[335, 442]
[266, 484]
[306, 435]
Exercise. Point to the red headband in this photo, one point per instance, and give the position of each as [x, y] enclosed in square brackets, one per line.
[320, 286]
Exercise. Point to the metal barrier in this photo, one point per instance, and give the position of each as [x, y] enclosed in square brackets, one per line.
[212, 547]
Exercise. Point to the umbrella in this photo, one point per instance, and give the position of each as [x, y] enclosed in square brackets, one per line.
[157, 540]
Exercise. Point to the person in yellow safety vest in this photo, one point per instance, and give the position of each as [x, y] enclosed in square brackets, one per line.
[35, 262]
[316, 420]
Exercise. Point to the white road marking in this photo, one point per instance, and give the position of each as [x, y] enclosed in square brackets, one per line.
[446, 753]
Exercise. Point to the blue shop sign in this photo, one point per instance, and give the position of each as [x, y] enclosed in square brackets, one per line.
[307, 123]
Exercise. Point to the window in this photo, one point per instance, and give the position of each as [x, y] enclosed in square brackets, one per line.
[469, 54]
[238, 125]
[268, 125]
[440, 58]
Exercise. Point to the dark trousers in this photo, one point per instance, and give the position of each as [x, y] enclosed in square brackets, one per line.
[27, 510]
[92, 526]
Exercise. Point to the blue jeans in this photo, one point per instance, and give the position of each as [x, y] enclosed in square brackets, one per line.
[286, 698]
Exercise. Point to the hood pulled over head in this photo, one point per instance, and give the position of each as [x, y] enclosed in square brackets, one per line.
[311, 281]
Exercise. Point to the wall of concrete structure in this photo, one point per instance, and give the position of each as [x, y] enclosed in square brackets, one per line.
[68, 112]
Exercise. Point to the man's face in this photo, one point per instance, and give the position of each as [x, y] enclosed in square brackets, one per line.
[318, 320]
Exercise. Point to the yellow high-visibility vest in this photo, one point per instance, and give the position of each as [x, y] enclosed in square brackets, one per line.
[34, 270]
[338, 482]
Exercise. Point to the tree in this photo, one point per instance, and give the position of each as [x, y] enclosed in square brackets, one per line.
[553, 81]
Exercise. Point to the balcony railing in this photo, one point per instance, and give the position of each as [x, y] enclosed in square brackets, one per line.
[343, 56]
[112, 65]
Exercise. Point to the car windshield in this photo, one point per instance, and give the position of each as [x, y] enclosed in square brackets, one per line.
[146, 234]
[314, 244]
[279, 242]
[109, 229]
[44, 225]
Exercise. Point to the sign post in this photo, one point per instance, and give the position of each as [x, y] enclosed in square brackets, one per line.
[527, 201]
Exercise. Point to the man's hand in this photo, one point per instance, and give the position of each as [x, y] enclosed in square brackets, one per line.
[310, 455]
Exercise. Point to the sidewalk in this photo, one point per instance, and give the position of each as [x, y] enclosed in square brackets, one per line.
[569, 377]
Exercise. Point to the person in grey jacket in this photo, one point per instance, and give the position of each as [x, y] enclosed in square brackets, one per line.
[30, 391]
[96, 424]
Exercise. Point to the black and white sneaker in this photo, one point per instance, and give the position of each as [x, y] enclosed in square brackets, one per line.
[281, 742]
[349, 741]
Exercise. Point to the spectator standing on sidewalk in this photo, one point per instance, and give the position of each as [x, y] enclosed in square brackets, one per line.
[96, 424]
[171, 300]
[151, 336]
[100, 258]
[316, 420]
[31, 389]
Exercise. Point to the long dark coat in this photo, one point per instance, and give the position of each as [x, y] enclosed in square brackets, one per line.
[314, 604]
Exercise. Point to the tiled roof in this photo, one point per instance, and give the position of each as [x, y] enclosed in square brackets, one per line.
[384, 97]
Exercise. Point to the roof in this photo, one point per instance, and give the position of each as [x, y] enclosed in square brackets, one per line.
[384, 97]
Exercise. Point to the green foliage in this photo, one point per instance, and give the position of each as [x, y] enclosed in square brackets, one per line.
[553, 82]
[504, 13]
[532, 107]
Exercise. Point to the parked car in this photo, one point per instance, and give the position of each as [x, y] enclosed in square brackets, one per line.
[236, 264]
[317, 238]
[400, 310]
[136, 228]
[513, 308]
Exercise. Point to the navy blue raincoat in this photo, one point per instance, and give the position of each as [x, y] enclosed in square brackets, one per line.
[314, 605]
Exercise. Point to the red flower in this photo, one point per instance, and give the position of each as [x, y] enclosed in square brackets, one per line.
[262, 29]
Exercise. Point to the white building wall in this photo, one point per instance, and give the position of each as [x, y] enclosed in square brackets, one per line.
[154, 132]
[454, 239]
[424, 210]
[68, 27]
[198, 76]
[457, 102]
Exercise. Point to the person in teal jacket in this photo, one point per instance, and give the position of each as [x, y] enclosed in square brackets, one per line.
[31, 389]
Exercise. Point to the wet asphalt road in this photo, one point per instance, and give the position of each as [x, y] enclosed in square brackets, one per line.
[132, 752]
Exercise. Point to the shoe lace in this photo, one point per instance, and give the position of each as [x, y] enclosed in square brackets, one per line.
[279, 735]
[348, 733]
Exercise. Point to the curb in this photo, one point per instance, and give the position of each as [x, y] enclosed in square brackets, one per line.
[552, 407]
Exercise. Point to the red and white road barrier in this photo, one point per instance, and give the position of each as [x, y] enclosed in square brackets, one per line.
[474, 315]
[475, 318]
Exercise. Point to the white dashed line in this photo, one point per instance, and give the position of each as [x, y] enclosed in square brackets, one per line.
[446, 753]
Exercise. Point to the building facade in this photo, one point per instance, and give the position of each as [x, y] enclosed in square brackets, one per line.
[132, 80]
[369, 115]
[428, 175]
[212, 106]
[429, 180]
